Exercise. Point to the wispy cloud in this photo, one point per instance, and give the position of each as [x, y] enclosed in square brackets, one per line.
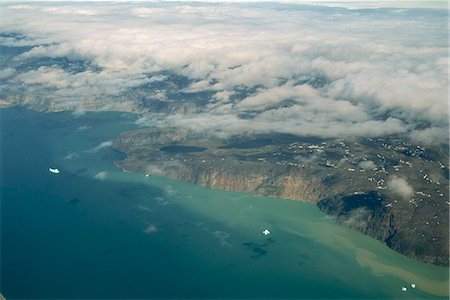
[101, 175]
[150, 229]
[100, 146]
[71, 155]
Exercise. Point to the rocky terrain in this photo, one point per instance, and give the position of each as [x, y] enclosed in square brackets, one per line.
[388, 189]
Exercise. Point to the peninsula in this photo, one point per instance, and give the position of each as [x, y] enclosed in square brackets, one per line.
[386, 188]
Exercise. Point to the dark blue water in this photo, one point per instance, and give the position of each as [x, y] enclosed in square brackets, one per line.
[81, 235]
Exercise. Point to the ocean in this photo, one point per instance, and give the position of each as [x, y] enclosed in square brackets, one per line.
[93, 231]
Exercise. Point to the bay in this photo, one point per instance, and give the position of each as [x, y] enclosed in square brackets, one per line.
[93, 231]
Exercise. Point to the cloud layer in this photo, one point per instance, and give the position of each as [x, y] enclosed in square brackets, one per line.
[235, 68]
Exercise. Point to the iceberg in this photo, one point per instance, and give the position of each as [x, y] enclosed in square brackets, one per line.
[266, 232]
[53, 170]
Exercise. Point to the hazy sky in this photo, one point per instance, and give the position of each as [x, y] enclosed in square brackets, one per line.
[362, 3]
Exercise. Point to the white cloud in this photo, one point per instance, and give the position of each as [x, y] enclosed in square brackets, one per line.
[50, 77]
[100, 146]
[297, 69]
[358, 218]
[101, 175]
[363, 4]
[71, 155]
[367, 165]
[144, 208]
[400, 187]
[150, 229]
[273, 96]
[431, 135]
[153, 170]
[223, 238]
[70, 11]
[7, 72]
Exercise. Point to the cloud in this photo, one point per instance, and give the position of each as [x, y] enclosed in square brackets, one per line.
[7, 72]
[71, 155]
[169, 190]
[431, 135]
[223, 238]
[367, 165]
[291, 120]
[78, 112]
[343, 3]
[101, 175]
[50, 77]
[144, 208]
[162, 201]
[400, 187]
[153, 170]
[358, 218]
[100, 146]
[275, 95]
[236, 68]
[150, 229]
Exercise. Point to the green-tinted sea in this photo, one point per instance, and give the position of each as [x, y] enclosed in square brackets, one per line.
[93, 231]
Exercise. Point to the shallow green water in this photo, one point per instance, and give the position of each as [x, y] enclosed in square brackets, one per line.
[96, 232]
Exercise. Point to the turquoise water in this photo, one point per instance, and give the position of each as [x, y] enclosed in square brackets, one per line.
[96, 232]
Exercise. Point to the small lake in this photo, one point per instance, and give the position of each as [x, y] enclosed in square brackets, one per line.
[182, 149]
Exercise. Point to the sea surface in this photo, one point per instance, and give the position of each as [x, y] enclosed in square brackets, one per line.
[93, 231]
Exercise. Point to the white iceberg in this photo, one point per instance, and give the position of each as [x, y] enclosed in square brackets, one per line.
[413, 285]
[266, 232]
[404, 289]
[54, 170]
